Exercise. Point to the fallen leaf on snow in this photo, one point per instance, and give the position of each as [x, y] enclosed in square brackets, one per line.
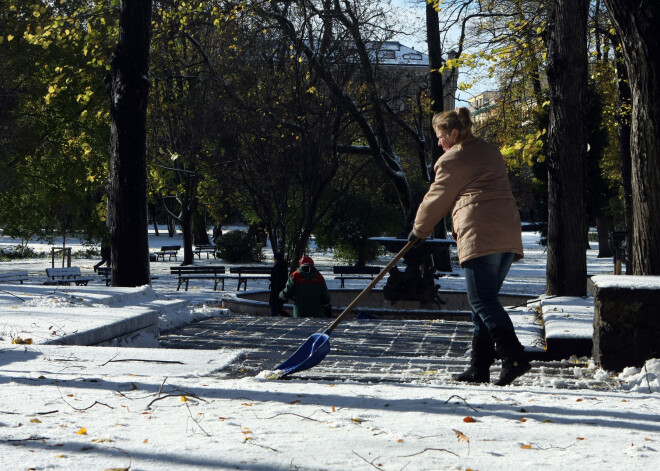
[461, 437]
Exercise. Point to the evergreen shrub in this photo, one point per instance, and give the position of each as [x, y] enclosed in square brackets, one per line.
[238, 247]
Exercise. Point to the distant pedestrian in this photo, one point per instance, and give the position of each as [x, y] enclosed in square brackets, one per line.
[278, 278]
[105, 256]
[308, 289]
[471, 182]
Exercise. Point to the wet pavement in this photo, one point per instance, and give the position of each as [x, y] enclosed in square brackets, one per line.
[401, 351]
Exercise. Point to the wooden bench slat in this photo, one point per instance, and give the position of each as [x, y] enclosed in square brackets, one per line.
[9, 277]
[66, 275]
[349, 272]
[208, 249]
[245, 273]
[169, 250]
[191, 272]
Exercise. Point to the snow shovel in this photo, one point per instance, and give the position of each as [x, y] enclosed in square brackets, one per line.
[315, 349]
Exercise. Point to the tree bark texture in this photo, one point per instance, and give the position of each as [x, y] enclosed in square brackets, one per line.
[128, 85]
[566, 273]
[624, 100]
[441, 258]
[636, 23]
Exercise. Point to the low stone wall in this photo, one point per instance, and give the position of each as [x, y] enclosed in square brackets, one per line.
[454, 304]
[626, 320]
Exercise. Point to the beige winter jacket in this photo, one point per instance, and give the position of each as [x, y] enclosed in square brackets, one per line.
[471, 182]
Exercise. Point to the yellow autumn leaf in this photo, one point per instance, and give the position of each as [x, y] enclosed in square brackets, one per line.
[356, 420]
[184, 399]
[10, 37]
[82, 431]
[146, 440]
[526, 447]
[35, 421]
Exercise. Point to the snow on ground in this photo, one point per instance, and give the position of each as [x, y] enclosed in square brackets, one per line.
[71, 407]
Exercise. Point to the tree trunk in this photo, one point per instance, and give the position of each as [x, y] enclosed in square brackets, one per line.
[441, 258]
[152, 208]
[128, 85]
[636, 23]
[604, 250]
[623, 130]
[186, 229]
[566, 272]
[200, 235]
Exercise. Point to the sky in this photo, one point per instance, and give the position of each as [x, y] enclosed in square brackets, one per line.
[411, 15]
[139, 408]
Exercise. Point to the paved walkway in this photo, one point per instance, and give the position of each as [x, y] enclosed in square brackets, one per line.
[361, 350]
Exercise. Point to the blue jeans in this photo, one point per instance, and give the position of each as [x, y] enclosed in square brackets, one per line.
[484, 277]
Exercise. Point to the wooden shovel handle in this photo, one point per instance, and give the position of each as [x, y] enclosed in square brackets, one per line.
[370, 286]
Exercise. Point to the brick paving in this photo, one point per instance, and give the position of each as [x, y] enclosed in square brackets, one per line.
[401, 351]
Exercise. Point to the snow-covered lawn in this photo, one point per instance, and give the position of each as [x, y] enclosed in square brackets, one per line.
[99, 408]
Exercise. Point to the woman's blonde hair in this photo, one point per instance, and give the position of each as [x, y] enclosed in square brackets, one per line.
[450, 120]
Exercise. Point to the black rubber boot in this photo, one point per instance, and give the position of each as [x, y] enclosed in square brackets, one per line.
[483, 355]
[512, 353]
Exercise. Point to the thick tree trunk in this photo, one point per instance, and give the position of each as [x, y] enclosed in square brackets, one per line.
[566, 273]
[200, 233]
[128, 85]
[637, 25]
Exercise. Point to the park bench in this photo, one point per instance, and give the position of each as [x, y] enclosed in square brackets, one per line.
[349, 272]
[208, 249]
[169, 250]
[106, 274]
[194, 272]
[243, 274]
[65, 276]
[14, 276]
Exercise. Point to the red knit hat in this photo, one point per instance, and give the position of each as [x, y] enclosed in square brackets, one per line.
[306, 260]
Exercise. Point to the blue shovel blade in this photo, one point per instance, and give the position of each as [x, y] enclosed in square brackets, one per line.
[310, 354]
